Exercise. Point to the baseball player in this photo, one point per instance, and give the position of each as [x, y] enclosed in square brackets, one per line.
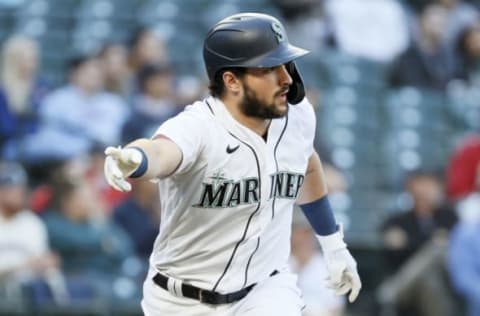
[230, 169]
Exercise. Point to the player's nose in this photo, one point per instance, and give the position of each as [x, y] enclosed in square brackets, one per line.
[284, 77]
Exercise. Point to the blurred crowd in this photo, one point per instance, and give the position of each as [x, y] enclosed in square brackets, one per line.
[65, 236]
[68, 239]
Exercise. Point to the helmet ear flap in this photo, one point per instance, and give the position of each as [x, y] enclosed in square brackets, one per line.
[296, 92]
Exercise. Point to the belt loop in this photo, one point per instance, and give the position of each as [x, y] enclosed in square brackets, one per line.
[171, 285]
[177, 287]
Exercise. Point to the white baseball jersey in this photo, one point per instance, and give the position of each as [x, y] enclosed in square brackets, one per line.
[226, 210]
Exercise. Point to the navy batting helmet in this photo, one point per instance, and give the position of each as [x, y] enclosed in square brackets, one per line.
[251, 40]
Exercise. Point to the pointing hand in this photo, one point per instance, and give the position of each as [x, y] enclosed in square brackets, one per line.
[119, 164]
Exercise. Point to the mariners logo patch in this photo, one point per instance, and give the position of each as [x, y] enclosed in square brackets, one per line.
[278, 31]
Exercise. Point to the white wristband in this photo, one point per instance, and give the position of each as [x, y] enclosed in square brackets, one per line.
[332, 242]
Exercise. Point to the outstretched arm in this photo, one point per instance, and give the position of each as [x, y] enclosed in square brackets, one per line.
[142, 158]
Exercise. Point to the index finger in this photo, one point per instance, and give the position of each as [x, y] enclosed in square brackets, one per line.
[113, 151]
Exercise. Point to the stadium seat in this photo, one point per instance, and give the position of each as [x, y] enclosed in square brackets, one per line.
[176, 11]
[421, 109]
[463, 108]
[345, 69]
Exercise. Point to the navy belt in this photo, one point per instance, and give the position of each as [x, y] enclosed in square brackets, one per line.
[205, 296]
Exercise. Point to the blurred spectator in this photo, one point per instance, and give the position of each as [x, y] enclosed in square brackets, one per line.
[414, 248]
[145, 48]
[463, 178]
[307, 259]
[21, 92]
[139, 215]
[407, 231]
[114, 57]
[190, 88]
[26, 259]
[428, 62]
[78, 116]
[337, 194]
[9, 4]
[88, 168]
[154, 104]
[86, 240]
[305, 24]
[460, 14]
[463, 168]
[92, 173]
[464, 263]
[357, 34]
[97, 255]
[468, 53]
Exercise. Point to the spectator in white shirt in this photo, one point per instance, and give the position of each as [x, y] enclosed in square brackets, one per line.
[79, 116]
[373, 29]
[26, 259]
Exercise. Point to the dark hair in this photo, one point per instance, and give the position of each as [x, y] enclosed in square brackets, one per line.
[462, 38]
[430, 173]
[216, 87]
[150, 70]
[77, 61]
[107, 46]
[465, 60]
[62, 187]
[137, 35]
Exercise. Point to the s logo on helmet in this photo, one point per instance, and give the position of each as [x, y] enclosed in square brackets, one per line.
[278, 31]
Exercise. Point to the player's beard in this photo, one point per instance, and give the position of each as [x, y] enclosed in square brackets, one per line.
[252, 106]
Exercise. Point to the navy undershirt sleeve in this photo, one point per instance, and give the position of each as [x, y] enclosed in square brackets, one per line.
[320, 216]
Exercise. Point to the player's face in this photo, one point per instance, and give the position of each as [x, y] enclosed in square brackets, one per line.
[265, 92]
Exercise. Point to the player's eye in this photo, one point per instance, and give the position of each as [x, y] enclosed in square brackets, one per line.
[269, 69]
[262, 71]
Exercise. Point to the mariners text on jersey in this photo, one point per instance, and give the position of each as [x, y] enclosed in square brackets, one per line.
[285, 184]
[222, 193]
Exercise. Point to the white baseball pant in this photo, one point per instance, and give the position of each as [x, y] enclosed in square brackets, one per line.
[277, 295]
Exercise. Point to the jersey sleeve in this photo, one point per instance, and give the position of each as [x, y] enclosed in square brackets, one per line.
[308, 123]
[188, 132]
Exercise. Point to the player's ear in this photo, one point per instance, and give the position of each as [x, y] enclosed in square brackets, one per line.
[231, 82]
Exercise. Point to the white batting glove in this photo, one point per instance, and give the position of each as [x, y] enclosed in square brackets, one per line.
[342, 268]
[119, 164]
